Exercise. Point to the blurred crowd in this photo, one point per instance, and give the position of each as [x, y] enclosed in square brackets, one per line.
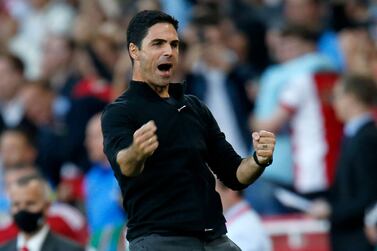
[257, 64]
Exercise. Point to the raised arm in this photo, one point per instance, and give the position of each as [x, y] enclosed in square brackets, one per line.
[131, 159]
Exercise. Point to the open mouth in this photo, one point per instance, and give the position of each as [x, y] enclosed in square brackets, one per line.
[164, 67]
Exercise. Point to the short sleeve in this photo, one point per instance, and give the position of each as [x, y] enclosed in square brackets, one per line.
[295, 92]
[118, 129]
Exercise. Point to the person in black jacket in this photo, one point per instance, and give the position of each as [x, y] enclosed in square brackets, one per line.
[164, 147]
[29, 204]
[355, 186]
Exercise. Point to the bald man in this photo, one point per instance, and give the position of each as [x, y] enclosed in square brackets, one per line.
[29, 205]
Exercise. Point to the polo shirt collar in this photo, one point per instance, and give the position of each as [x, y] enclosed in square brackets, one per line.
[176, 90]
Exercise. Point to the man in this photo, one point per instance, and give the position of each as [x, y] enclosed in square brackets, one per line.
[29, 197]
[297, 52]
[62, 218]
[12, 113]
[106, 221]
[60, 135]
[160, 144]
[16, 148]
[57, 67]
[243, 223]
[355, 188]
[315, 132]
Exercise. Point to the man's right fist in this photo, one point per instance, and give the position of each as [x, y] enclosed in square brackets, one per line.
[145, 140]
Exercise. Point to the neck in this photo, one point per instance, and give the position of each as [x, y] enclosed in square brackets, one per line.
[357, 111]
[28, 236]
[162, 91]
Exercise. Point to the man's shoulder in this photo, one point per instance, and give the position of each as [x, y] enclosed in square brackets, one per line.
[367, 134]
[123, 103]
[193, 100]
[9, 246]
[56, 241]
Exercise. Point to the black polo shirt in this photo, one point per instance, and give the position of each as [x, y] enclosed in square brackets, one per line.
[175, 194]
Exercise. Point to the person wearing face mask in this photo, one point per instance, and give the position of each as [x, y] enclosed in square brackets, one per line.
[29, 205]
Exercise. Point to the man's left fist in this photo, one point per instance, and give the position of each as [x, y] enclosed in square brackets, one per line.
[264, 145]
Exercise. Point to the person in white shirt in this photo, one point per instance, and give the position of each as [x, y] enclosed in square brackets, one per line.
[243, 223]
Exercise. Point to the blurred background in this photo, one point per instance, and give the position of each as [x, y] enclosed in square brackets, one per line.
[268, 64]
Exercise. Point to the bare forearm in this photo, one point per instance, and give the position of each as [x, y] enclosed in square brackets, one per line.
[131, 160]
[252, 167]
[248, 171]
[130, 164]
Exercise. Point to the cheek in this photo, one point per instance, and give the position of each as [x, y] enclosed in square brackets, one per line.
[339, 107]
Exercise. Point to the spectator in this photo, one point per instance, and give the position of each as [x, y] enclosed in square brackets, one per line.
[62, 218]
[11, 81]
[313, 14]
[355, 187]
[44, 17]
[305, 103]
[30, 203]
[244, 225]
[16, 148]
[105, 221]
[298, 52]
[60, 136]
[220, 80]
[56, 67]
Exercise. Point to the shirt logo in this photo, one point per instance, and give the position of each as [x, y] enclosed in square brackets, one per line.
[180, 109]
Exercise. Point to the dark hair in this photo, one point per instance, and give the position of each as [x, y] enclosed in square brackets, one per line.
[23, 132]
[300, 32]
[363, 87]
[15, 62]
[142, 21]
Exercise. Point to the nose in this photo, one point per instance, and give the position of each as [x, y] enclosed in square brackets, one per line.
[168, 50]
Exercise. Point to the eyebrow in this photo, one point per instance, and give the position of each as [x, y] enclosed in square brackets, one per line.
[163, 40]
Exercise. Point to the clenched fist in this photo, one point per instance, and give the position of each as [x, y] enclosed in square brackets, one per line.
[145, 140]
[264, 145]
[131, 160]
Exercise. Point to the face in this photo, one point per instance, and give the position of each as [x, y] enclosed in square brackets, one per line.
[341, 102]
[156, 60]
[10, 80]
[56, 55]
[290, 47]
[38, 105]
[15, 150]
[301, 11]
[39, 3]
[30, 197]
[94, 140]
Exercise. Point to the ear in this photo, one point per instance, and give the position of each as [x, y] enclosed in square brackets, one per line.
[134, 51]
